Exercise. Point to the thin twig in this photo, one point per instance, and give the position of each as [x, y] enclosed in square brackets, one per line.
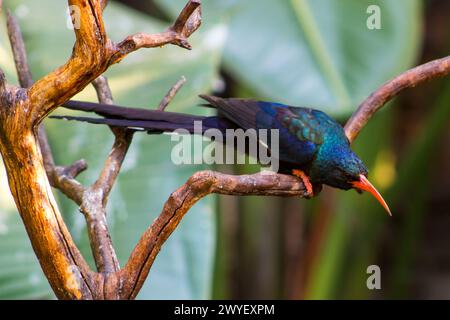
[411, 78]
[19, 52]
[171, 94]
[122, 142]
[95, 198]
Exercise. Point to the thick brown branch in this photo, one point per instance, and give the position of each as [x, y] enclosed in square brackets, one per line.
[26, 81]
[122, 142]
[104, 94]
[65, 268]
[411, 78]
[198, 186]
[94, 53]
[189, 20]
[89, 60]
[62, 178]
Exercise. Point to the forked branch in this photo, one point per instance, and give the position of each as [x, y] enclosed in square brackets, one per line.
[94, 52]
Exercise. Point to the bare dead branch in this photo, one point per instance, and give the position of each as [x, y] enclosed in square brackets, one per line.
[104, 3]
[2, 83]
[74, 169]
[171, 94]
[68, 273]
[19, 52]
[187, 23]
[89, 59]
[122, 142]
[103, 90]
[24, 109]
[198, 186]
[99, 237]
[95, 197]
[411, 78]
[207, 182]
[26, 80]
[189, 20]
[114, 161]
[62, 178]
[94, 53]
[67, 184]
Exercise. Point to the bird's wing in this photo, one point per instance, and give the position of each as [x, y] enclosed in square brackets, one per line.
[299, 133]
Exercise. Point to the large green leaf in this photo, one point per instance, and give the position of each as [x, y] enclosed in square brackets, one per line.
[184, 266]
[316, 53]
[320, 53]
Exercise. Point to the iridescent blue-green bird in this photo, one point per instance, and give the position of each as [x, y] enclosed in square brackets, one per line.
[312, 145]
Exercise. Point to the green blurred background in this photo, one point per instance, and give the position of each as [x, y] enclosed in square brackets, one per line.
[308, 53]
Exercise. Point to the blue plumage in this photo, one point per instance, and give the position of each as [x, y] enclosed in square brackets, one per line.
[309, 139]
[312, 145]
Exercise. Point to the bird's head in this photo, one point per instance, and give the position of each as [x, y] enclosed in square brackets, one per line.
[345, 171]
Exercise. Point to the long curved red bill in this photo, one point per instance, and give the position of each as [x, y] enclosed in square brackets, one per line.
[364, 184]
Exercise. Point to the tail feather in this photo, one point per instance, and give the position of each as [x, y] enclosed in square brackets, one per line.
[118, 112]
[154, 126]
[243, 112]
[233, 113]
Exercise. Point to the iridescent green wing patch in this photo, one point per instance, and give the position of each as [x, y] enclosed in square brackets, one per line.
[302, 124]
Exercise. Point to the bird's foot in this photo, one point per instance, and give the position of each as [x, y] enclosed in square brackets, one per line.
[305, 179]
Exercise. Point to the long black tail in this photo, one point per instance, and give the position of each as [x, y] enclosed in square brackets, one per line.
[152, 121]
[232, 114]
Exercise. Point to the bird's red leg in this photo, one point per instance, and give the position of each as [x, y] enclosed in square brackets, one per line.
[300, 174]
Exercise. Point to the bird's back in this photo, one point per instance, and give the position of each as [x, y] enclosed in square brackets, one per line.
[301, 130]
